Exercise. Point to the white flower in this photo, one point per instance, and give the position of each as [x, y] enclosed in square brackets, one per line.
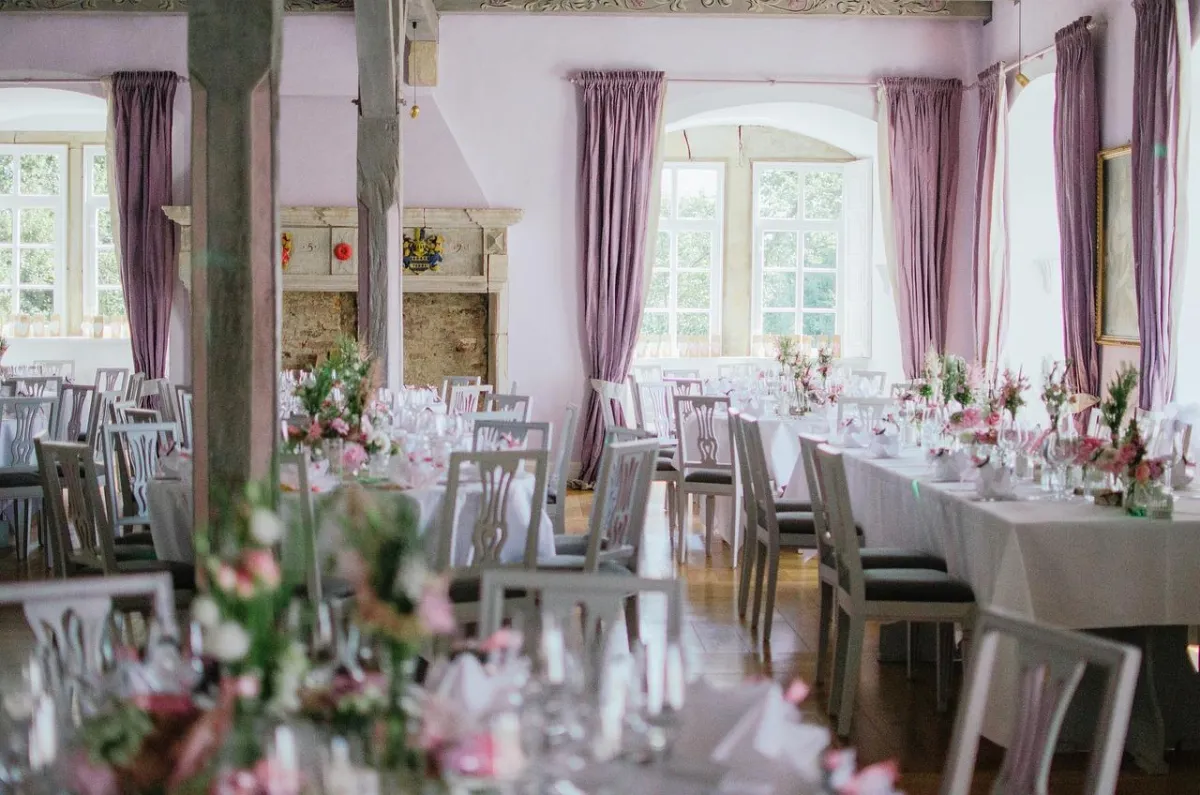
[205, 611]
[289, 676]
[266, 527]
[230, 642]
[413, 575]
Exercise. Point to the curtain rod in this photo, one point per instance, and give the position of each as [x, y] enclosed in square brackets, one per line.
[761, 81]
[65, 80]
[1093, 26]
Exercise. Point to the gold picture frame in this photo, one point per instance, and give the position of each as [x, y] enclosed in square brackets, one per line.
[1116, 288]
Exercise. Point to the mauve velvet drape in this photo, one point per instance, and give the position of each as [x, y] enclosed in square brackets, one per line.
[990, 277]
[1076, 146]
[143, 114]
[923, 148]
[620, 114]
[1158, 98]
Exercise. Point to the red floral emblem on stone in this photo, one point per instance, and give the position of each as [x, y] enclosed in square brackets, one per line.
[343, 251]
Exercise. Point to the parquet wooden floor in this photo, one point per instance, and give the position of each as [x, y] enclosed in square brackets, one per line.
[895, 718]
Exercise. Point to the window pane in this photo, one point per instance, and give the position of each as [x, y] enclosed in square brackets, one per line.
[6, 174]
[779, 322]
[659, 294]
[695, 249]
[779, 290]
[666, 193]
[820, 250]
[107, 272]
[655, 323]
[693, 324]
[823, 195]
[37, 226]
[37, 302]
[662, 252]
[820, 290]
[780, 249]
[778, 193]
[819, 325]
[104, 227]
[37, 266]
[111, 302]
[694, 291]
[6, 265]
[5, 302]
[5, 226]
[100, 175]
[40, 175]
[697, 190]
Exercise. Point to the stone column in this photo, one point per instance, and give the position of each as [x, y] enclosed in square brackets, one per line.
[380, 27]
[233, 58]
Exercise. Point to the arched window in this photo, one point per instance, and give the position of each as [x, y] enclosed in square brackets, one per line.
[1035, 313]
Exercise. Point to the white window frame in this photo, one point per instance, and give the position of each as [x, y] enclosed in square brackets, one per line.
[92, 248]
[60, 204]
[799, 226]
[674, 226]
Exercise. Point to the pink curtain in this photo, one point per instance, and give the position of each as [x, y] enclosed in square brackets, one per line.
[1076, 145]
[1157, 102]
[989, 280]
[621, 113]
[923, 118]
[143, 106]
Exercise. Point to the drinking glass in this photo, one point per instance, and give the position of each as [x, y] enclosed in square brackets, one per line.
[1059, 452]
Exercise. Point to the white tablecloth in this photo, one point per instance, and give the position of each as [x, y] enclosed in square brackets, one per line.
[170, 504]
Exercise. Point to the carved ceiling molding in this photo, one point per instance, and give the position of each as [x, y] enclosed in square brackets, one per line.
[933, 9]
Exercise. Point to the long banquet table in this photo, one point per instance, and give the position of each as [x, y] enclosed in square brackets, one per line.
[1069, 564]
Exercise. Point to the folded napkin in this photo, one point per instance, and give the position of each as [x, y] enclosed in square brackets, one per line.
[470, 691]
[947, 466]
[851, 435]
[994, 482]
[1182, 474]
[176, 465]
[884, 445]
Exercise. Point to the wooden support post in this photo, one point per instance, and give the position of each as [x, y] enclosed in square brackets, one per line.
[380, 29]
[233, 57]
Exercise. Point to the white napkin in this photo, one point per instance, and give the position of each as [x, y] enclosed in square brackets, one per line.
[994, 482]
[175, 466]
[851, 435]
[475, 688]
[948, 467]
[884, 445]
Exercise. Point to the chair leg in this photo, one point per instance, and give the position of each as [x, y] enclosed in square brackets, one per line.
[683, 501]
[20, 529]
[772, 586]
[839, 660]
[749, 549]
[672, 512]
[760, 570]
[908, 648]
[855, 629]
[826, 618]
[633, 626]
[945, 662]
[710, 515]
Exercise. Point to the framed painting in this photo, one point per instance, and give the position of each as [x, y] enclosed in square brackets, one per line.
[1116, 290]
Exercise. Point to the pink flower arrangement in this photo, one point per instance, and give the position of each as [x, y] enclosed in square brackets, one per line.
[354, 456]
[339, 427]
[1087, 449]
[968, 419]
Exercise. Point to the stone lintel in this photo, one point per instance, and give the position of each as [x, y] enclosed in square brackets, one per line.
[434, 217]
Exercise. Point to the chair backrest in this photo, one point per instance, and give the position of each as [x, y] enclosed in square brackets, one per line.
[308, 521]
[826, 549]
[101, 415]
[133, 386]
[561, 462]
[1051, 663]
[681, 374]
[510, 435]
[622, 495]
[612, 398]
[33, 386]
[186, 417]
[518, 404]
[77, 512]
[64, 368]
[131, 452]
[59, 612]
[749, 495]
[168, 406]
[152, 387]
[735, 371]
[458, 380]
[655, 409]
[497, 473]
[903, 388]
[704, 449]
[467, 399]
[685, 386]
[30, 417]
[74, 412]
[602, 596]
[760, 477]
[869, 410]
[868, 383]
[135, 415]
[646, 372]
[831, 471]
[109, 379]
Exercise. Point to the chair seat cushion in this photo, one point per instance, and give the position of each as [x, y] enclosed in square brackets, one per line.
[183, 575]
[575, 545]
[792, 506]
[141, 538]
[665, 465]
[718, 477]
[126, 552]
[469, 588]
[19, 480]
[577, 562]
[896, 558]
[915, 585]
[551, 498]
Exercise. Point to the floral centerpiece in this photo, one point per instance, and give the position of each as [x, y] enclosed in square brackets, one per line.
[3, 345]
[1009, 396]
[1120, 392]
[1144, 493]
[1056, 392]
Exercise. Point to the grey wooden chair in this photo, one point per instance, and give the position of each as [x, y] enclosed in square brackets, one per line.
[556, 491]
[702, 473]
[28, 418]
[505, 434]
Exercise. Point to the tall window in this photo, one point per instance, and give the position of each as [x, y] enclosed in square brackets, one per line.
[682, 314]
[799, 248]
[33, 228]
[102, 275]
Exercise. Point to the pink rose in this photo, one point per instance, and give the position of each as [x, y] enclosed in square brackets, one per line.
[226, 578]
[475, 756]
[314, 431]
[247, 686]
[263, 567]
[339, 426]
[354, 456]
[1142, 472]
[245, 586]
[436, 612]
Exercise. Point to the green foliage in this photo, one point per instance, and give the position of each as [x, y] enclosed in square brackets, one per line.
[779, 290]
[114, 736]
[697, 191]
[778, 193]
[659, 294]
[820, 291]
[104, 230]
[779, 323]
[6, 174]
[107, 270]
[662, 252]
[1120, 391]
[6, 265]
[111, 302]
[314, 392]
[693, 291]
[655, 324]
[37, 225]
[780, 249]
[820, 250]
[100, 175]
[41, 175]
[37, 266]
[819, 325]
[37, 302]
[695, 250]
[6, 225]
[823, 195]
[693, 324]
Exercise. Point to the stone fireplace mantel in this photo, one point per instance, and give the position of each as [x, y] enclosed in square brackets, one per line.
[475, 261]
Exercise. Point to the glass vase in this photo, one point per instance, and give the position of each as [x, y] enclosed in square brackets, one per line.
[1148, 500]
[335, 451]
[378, 465]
